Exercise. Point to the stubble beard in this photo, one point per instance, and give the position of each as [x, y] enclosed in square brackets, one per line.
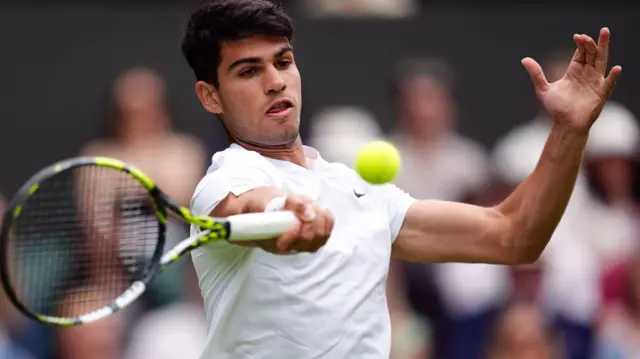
[284, 139]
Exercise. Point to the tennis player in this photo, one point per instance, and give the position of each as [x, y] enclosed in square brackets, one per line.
[319, 290]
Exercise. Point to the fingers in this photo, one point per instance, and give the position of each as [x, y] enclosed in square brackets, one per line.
[537, 76]
[311, 232]
[302, 207]
[307, 236]
[285, 242]
[580, 55]
[592, 54]
[610, 81]
[603, 51]
[591, 50]
[315, 234]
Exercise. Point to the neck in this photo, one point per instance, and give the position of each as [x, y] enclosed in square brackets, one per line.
[293, 152]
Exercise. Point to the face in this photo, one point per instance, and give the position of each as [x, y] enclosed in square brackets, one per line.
[259, 93]
[523, 332]
[428, 106]
[615, 175]
[138, 90]
[139, 97]
[527, 282]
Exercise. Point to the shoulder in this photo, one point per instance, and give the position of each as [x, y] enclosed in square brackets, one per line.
[236, 156]
[236, 161]
[233, 170]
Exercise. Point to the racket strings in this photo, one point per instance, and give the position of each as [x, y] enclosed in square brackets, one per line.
[81, 239]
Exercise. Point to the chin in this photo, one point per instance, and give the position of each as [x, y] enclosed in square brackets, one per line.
[291, 122]
[279, 136]
[287, 137]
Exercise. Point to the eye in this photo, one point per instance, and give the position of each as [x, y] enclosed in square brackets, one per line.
[248, 72]
[283, 64]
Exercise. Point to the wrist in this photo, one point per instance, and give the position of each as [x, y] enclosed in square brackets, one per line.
[569, 132]
[578, 127]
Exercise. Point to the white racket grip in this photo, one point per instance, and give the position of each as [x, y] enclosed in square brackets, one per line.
[259, 226]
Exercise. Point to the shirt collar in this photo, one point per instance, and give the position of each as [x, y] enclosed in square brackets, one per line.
[311, 154]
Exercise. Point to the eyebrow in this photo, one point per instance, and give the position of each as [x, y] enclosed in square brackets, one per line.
[257, 60]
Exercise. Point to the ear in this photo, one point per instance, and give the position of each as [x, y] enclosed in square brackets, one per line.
[209, 97]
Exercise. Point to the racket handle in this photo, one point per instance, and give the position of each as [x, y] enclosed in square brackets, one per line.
[258, 226]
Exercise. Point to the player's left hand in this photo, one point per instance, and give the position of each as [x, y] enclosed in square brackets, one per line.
[576, 100]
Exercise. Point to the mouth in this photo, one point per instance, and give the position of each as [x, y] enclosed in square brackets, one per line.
[281, 108]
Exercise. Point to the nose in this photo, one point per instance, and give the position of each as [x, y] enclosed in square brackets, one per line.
[275, 82]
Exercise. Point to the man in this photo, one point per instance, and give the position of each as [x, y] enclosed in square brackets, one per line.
[318, 291]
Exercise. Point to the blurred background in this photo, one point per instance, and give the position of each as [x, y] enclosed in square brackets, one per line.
[441, 79]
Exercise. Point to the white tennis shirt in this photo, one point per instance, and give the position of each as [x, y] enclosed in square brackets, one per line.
[329, 304]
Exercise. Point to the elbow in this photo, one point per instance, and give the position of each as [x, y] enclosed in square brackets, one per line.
[525, 255]
[519, 248]
[515, 254]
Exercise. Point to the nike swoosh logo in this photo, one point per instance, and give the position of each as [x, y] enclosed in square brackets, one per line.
[358, 195]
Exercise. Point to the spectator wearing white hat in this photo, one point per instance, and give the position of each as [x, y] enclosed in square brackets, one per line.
[610, 156]
[441, 163]
[338, 132]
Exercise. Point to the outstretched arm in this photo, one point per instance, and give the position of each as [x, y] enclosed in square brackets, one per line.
[517, 230]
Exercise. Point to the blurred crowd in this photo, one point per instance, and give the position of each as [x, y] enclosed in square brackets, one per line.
[580, 300]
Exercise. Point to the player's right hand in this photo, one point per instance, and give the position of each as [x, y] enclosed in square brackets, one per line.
[313, 230]
[309, 234]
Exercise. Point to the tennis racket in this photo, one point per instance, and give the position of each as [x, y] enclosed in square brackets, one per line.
[83, 238]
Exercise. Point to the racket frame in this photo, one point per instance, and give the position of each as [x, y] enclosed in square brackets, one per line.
[255, 226]
[215, 229]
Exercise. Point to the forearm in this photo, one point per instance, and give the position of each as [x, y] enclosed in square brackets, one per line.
[252, 201]
[535, 208]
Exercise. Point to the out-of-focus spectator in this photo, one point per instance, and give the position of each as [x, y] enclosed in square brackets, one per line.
[9, 347]
[141, 133]
[175, 331]
[619, 336]
[410, 336]
[99, 340]
[439, 163]
[339, 132]
[522, 332]
[362, 8]
[610, 158]
[10, 322]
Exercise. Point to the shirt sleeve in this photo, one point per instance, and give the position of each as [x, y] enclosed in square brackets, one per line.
[395, 202]
[216, 185]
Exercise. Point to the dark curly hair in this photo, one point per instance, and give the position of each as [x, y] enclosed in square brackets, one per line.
[217, 21]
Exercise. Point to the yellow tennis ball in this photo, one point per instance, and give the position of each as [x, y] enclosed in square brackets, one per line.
[378, 162]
